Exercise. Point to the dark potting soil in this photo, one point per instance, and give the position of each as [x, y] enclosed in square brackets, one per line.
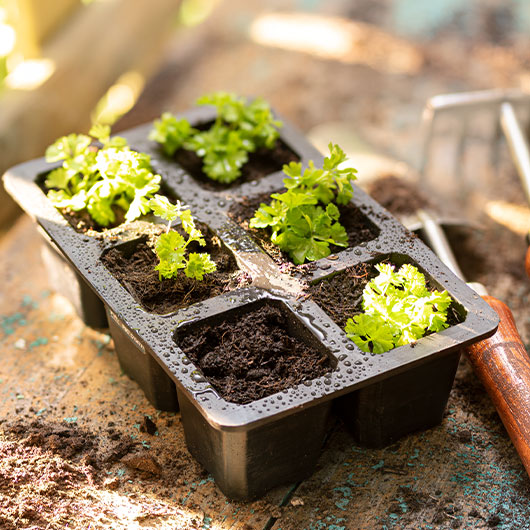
[261, 163]
[134, 267]
[397, 195]
[254, 356]
[82, 222]
[341, 295]
[358, 227]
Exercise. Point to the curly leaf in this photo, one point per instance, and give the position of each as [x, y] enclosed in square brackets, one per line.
[198, 265]
[400, 302]
[171, 132]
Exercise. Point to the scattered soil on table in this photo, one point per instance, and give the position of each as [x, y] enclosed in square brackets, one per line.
[254, 356]
[358, 228]
[134, 267]
[261, 163]
[397, 195]
[57, 475]
[341, 295]
[51, 470]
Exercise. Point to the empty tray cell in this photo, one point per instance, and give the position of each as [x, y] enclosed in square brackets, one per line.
[254, 351]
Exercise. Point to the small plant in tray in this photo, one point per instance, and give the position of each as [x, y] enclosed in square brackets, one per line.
[100, 179]
[240, 128]
[398, 309]
[171, 247]
[305, 219]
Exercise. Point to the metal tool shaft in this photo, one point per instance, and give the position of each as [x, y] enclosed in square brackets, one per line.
[518, 145]
[436, 239]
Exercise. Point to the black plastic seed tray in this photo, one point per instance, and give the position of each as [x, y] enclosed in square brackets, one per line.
[253, 447]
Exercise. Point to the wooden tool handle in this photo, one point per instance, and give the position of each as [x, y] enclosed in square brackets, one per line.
[503, 365]
[527, 262]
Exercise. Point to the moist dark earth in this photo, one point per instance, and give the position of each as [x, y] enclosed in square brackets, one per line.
[253, 355]
[134, 266]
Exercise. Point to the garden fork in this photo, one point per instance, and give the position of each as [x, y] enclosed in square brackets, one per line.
[465, 105]
[501, 362]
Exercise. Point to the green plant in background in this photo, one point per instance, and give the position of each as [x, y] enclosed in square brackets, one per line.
[171, 247]
[240, 128]
[305, 219]
[100, 179]
[398, 309]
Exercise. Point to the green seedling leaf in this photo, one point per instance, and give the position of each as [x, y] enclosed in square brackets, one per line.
[240, 128]
[398, 309]
[171, 247]
[171, 132]
[163, 208]
[304, 220]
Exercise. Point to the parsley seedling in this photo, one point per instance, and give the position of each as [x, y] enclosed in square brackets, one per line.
[398, 309]
[99, 180]
[240, 128]
[171, 246]
[305, 219]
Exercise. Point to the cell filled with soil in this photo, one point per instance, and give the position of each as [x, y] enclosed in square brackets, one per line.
[248, 354]
[401, 403]
[261, 163]
[340, 295]
[358, 226]
[81, 220]
[133, 264]
[254, 352]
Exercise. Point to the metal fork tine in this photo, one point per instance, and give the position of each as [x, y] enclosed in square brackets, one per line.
[461, 146]
[496, 144]
[427, 127]
[518, 145]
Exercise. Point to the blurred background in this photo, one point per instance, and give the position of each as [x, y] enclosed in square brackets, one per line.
[356, 72]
